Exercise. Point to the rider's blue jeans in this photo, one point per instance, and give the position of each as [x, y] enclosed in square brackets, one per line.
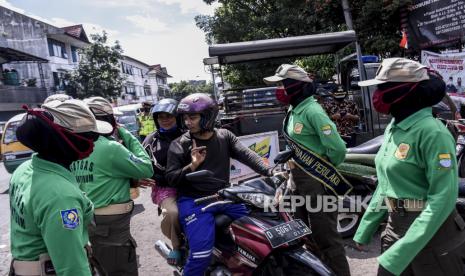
[199, 228]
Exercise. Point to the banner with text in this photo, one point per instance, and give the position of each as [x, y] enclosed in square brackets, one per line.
[450, 66]
[434, 22]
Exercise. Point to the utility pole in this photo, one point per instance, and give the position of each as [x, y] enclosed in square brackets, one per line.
[361, 67]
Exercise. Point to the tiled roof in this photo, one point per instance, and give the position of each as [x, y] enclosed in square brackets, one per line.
[161, 71]
[76, 31]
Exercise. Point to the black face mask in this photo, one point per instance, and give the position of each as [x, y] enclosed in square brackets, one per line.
[52, 142]
[426, 94]
[299, 90]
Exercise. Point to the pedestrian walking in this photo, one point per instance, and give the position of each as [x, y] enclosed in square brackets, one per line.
[417, 177]
[309, 130]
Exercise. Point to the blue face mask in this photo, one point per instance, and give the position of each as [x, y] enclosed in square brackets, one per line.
[164, 130]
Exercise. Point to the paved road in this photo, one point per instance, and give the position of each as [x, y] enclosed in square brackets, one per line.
[146, 230]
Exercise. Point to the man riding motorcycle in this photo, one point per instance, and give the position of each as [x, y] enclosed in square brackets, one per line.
[204, 147]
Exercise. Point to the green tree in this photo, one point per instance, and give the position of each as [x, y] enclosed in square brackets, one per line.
[376, 23]
[181, 89]
[98, 71]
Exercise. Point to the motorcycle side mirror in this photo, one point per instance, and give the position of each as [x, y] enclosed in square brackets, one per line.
[199, 175]
[283, 157]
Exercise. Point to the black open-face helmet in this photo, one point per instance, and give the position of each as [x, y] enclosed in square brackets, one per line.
[165, 106]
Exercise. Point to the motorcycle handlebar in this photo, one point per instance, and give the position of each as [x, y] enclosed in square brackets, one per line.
[207, 198]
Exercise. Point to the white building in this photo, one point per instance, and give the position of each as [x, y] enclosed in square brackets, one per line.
[34, 56]
[142, 81]
[161, 75]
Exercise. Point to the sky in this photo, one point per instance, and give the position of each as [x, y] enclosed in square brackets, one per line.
[152, 31]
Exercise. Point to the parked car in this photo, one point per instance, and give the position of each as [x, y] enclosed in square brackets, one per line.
[13, 152]
[126, 116]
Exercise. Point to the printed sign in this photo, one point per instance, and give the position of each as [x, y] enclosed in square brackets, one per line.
[435, 22]
[266, 145]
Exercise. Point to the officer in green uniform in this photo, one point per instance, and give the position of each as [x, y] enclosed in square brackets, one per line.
[146, 122]
[308, 128]
[49, 214]
[105, 178]
[417, 177]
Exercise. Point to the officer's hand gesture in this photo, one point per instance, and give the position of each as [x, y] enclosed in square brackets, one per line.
[198, 155]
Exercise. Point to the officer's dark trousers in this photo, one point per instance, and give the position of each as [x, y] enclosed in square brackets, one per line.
[443, 255]
[113, 245]
[323, 224]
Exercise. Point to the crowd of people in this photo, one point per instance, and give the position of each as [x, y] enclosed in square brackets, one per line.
[71, 204]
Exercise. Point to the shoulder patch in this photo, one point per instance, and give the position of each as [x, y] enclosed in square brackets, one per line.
[326, 129]
[402, 151]
[445, 160]
[70, 218]
[298, 128]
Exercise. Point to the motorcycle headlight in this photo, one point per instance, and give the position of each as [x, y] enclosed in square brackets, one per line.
[256, 199]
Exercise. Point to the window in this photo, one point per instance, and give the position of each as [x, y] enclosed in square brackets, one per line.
[58, 81]
[137, 71]
[131, 70]
[139, 91]
[130, 88]
[127, 69]
[57, 48]
[74, 53]
[147, 90]
[161, 81]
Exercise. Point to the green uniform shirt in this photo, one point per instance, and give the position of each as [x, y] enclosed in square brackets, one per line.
[49, 214]
[105, 175]
[309, 125]
[415, 161]
[147, 124]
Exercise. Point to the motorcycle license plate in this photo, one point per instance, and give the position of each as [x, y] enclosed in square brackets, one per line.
[286, 232]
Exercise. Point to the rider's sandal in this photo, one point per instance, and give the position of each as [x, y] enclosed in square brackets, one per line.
[174, 257]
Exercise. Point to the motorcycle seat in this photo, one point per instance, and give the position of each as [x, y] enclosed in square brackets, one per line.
[222, 222]
[369, 147]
